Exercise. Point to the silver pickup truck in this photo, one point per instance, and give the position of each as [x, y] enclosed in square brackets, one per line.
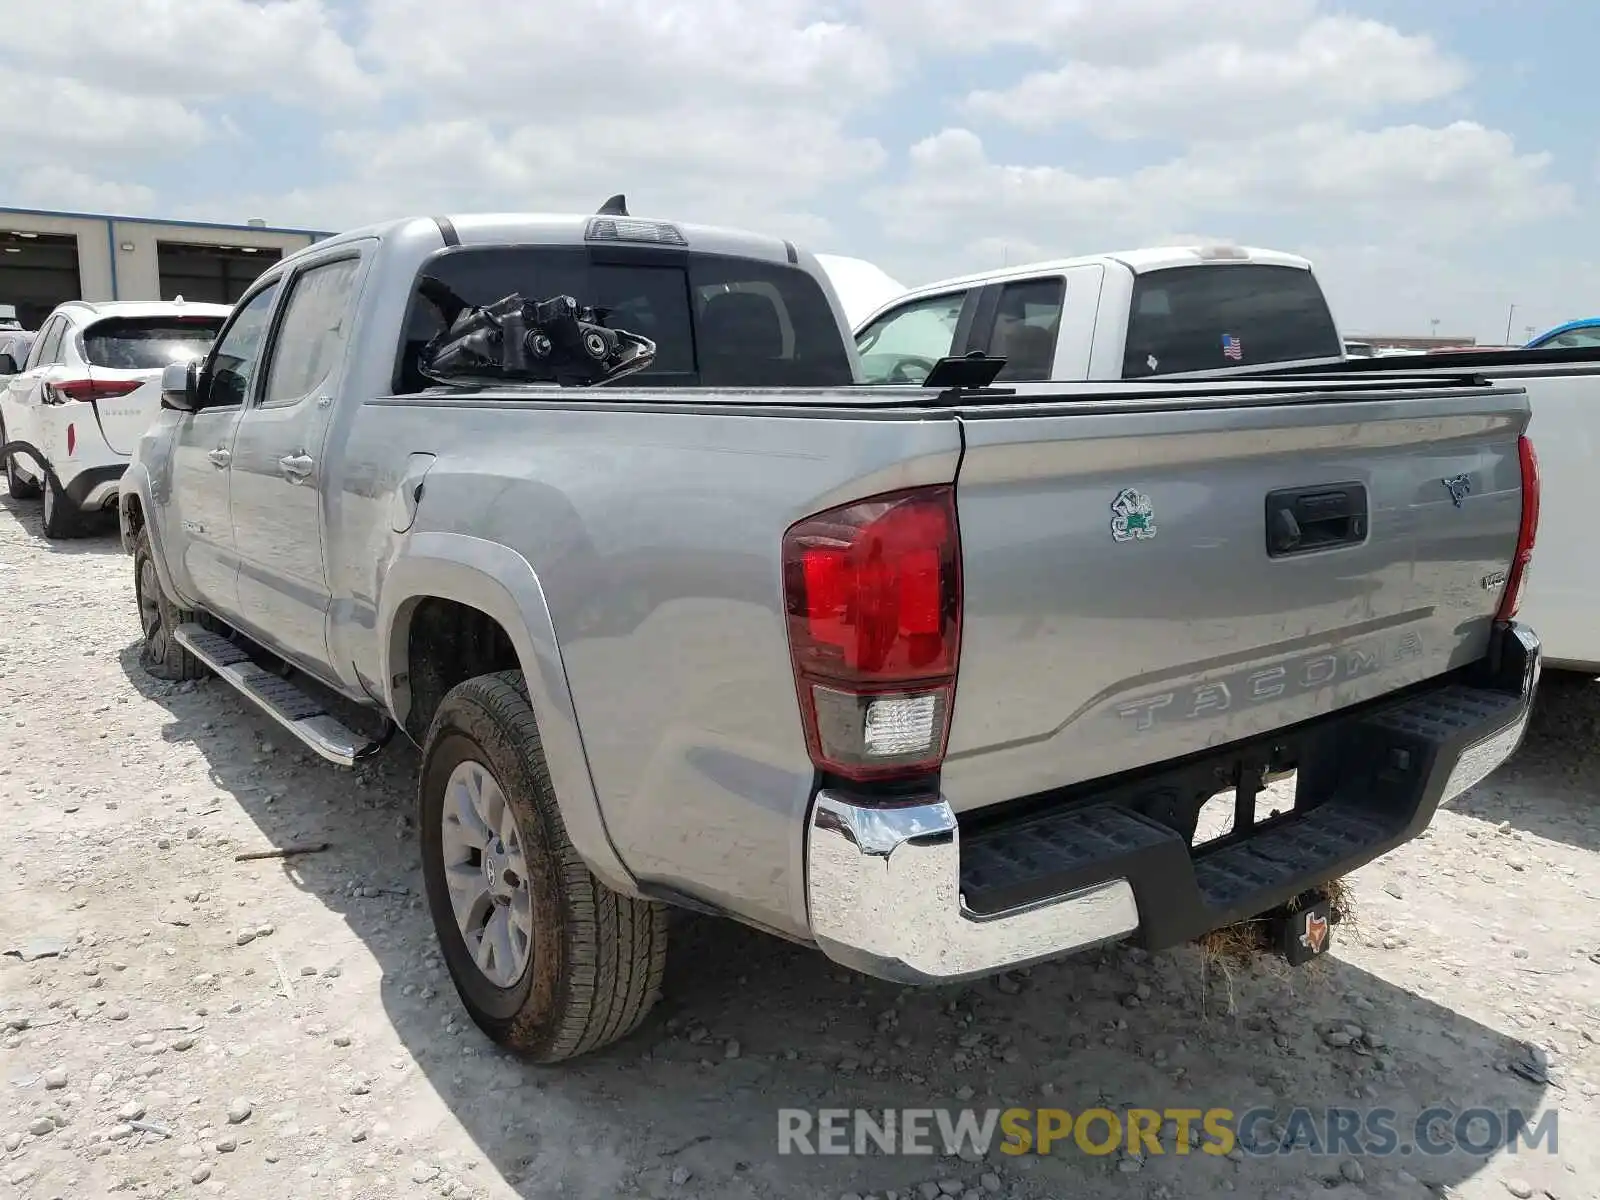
[597, 511]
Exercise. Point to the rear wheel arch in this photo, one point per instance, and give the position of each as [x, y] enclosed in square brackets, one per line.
[446, 643]
[429, 607]
[454, 607]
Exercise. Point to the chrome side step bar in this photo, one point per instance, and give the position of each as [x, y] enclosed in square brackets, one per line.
[279, 698]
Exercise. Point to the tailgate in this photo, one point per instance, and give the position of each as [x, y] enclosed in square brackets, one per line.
[1122, 606]
[125, 403]
[125, 355]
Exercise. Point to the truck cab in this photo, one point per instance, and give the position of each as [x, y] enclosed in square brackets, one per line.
[1168, 310]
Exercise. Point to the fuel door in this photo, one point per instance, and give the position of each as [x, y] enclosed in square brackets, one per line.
[408, 493]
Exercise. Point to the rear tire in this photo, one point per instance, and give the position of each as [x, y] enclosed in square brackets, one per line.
[20, 488]
[159, 654]
[62, 518]
[590, 967]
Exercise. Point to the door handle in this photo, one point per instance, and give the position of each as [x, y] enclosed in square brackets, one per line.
[220, 457]
[296, 467]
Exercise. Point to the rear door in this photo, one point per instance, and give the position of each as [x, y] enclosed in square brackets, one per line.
[1043, 326]
[124, 357]
[276, 496]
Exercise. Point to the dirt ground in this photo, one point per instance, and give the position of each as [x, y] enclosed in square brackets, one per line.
[179, 1023]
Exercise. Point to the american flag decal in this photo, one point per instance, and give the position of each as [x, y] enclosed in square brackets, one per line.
[1232, 348]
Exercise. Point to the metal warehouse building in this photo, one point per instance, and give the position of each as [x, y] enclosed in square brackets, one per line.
[48, 257]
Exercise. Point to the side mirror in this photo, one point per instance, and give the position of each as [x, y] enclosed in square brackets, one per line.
[8, 365]
[180, 386]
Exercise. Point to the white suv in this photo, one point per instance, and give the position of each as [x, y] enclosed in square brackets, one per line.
[90, 387]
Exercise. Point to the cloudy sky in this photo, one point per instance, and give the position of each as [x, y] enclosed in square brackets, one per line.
[1421, 152]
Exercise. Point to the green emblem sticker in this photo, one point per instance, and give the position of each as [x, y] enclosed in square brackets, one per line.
[1132, 516]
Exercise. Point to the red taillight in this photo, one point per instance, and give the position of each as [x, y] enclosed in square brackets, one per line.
[72, 439]
[1527, 531]
[873, 592]
[59, 391]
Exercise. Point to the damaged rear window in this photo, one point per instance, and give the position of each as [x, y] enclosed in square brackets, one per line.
[715, 321]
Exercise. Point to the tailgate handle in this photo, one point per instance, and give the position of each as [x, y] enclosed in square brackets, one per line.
[1302, 520]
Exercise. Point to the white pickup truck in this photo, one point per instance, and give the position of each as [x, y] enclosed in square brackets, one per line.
[1126, 315]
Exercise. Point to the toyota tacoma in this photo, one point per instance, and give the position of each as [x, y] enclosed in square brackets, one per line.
[599, 512]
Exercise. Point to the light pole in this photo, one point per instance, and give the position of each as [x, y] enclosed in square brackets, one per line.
[1509, 311]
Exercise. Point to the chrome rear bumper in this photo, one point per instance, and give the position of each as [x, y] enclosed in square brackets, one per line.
[884, 890]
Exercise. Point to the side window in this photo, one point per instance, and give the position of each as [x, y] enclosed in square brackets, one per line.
[902, 345]
[1026, 324]
[312, 334]
[56, 351]
[47, 349]
[1574, 338]
[238, 353]
[53, 352]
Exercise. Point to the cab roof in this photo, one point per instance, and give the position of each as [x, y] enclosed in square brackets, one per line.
[1160, 258]
[563, 229]
[1139, 261]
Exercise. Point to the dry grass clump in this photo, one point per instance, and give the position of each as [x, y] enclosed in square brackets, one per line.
[1245, 943]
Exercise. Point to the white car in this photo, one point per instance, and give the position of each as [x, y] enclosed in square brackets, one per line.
[91, 385]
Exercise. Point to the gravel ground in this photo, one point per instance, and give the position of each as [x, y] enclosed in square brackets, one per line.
[176, 1022]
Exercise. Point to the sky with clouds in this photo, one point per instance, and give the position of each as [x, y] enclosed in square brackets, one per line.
[1429, 156]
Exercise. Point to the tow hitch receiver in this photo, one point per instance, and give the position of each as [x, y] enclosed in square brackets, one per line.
[1303, 932]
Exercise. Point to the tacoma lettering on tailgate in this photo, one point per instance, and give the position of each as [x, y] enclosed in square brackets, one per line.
[1302, 674]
